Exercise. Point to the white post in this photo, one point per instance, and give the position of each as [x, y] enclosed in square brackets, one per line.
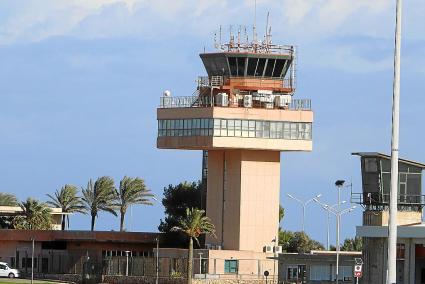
[126, 262]
[392, 227]
[157, 261]
[304, 205]
[327, 237]
[32, 261]
[337, 247]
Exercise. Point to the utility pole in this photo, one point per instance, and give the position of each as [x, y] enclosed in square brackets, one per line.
[32, 260]
[392, 226]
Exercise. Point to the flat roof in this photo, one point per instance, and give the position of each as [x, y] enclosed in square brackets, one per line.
[16, 210]
[78, 236]
[387, 157]
[416, 231]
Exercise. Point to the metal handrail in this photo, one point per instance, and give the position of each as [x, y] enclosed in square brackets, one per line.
[198, 101]
[377, 198]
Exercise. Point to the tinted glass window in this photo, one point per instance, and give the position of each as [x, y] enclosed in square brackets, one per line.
[252, 64]
[232, 64]
[241, 66]
[260, 67]
[270, 67]
[278, 67]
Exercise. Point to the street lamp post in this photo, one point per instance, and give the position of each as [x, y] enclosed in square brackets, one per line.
[304, 205]
[395, 135]
[328, 223]
[338, 213]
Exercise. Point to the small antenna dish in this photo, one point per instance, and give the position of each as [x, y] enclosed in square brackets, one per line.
[167, 93]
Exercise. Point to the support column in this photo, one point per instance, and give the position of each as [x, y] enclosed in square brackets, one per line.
[412, 262]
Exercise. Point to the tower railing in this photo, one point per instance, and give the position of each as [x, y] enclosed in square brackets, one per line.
[378, 199]
[205, 101]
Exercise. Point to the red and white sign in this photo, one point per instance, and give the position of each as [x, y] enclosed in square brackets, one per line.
[358, 271]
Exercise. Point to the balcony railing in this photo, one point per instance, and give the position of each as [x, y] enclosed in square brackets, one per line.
[197, 102]
[380, 199]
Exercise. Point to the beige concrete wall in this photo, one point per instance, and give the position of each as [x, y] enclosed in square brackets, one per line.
[259, 206]
[247, 217]
[373, 218]
[236, 113]
[210, 143]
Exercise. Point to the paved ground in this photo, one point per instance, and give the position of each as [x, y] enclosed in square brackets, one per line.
[9, 281]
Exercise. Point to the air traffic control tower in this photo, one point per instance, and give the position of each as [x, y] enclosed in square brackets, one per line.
[242, 115]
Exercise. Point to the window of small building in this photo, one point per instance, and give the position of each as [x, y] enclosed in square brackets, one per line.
[230, 266]
[370, 165]
[26, 262]
[292, 273]
[320, 272]
[252, 64]
[53, 245]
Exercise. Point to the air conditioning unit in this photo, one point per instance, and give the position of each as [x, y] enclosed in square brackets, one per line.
[282, 101]
[222, 99]
[268, 249]
[277, 249]
[247, 101]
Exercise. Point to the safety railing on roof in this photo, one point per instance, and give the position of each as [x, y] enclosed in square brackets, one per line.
[197, 101]
[377, 198]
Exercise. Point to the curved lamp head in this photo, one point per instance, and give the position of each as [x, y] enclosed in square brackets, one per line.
[339, 183]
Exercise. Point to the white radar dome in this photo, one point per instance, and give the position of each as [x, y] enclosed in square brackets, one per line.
[167, 93]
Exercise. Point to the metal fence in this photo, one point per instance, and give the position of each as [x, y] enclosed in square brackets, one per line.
[168, 267]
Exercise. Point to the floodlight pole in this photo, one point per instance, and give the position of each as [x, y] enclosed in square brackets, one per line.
[392, 226]
[338, 213]
[304, 205]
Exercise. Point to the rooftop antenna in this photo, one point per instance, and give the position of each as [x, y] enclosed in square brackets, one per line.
[267, 32]
[254, 28]
[220, 37]
[239, 37]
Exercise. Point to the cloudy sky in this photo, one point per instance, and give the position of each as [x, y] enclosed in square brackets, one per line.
[80, 82]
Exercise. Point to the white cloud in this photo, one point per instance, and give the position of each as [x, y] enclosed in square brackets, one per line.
[39, 19]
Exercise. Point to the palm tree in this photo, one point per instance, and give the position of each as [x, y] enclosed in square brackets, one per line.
[194, 224]
[66, 198]
[7, 199]
[131, 191]
[99, 196]
[35, 216]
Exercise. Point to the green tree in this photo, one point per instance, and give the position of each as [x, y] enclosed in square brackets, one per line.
[7, 199]
[177, 198]
[131, 191]
[194, 224]
[281, 213]
[298, 242]
[99, 196]
[68, 200]
[35, 216]
[355, 244]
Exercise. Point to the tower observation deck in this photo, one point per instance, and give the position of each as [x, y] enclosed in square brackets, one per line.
[244, 114]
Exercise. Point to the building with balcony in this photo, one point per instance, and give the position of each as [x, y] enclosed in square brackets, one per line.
[242, 115]
[374, 198]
